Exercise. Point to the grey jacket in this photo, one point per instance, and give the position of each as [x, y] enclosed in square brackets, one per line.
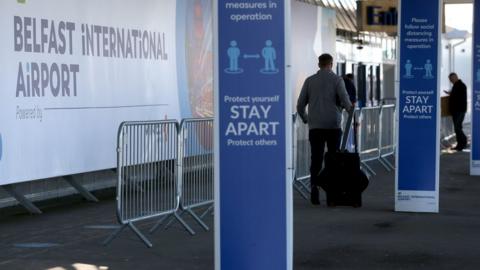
[325, 94]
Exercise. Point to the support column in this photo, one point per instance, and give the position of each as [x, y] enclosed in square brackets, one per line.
[418, 149]
[253, 187]
[81, 189]
[475, 138]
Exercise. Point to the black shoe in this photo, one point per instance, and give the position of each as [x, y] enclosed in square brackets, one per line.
[314, 196]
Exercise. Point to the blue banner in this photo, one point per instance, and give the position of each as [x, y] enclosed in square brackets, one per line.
[417, 171]
[252, 135]
[475, 143]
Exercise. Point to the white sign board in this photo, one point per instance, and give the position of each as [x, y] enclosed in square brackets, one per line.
[71, 72]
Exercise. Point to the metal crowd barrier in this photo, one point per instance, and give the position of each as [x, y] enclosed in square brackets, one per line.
[376, 142]
[387, 135]
[369, 136]
[147, 168]
[196, 161]
[350, 142]
[447, 132]
[166, 169]
[301, 157]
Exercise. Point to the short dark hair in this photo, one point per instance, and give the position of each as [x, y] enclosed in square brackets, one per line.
[453, 74]
[349, 76]
[325, 60]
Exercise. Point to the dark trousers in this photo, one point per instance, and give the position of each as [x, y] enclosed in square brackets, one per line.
[318, 138]
[457, 118]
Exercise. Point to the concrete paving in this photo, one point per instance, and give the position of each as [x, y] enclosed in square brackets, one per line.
[372, 237]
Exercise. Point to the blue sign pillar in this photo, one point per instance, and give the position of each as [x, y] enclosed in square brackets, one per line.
[417, 175]
[253, 218]
[475, 143]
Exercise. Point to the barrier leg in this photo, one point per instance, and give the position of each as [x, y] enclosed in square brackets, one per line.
[172, 219]
[306, 186]
[302, 187]
[368, 168]
[184, 224]
[387, 168]
[198, 220]
[114, 234]
[207, 211]
[387, 163]
[140, 235]
[158, 224]
[179, 218]
[367, 173]
[134, 229]
[298, 187]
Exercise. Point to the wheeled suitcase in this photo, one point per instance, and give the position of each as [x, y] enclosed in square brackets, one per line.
[342, 179]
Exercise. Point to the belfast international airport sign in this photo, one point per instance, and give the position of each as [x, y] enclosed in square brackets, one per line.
[253, 189]
[475, 143]
[417, 175]
[72, 71]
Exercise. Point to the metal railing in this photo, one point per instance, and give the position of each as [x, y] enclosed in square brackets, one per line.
[301, 157]
[376, 142]
[165, 169]
[350, 142]
[447, 132]
[369, 136]
[196, 158]
[147, 167]
[387, 135]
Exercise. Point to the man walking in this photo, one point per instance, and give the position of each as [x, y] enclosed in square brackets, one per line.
[458, 108]
[325, 95]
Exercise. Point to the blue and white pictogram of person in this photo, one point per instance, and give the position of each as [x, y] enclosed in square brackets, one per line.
[269, 55]
[408, 69]
[428, 70]
[233, 53]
